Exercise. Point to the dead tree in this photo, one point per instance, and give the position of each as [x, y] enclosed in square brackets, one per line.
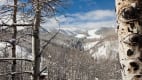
[47, 7]
[11, 10]
[129, 20]
[36, 41]
[38, 6]
[13, 43]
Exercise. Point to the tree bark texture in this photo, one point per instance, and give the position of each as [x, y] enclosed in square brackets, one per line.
[129, 20]
[13, 43]
[36, 41]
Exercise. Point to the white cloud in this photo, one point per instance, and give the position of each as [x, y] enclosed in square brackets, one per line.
[102, 14]
[97, 15]
[89, 20]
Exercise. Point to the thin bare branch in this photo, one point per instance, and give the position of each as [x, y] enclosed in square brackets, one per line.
[11, 25]
[48, 42]
[11, 73]
[43, 70]
[16, 59]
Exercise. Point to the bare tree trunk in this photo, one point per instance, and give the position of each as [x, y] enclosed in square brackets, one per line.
[36, 41]
[129, 19]
[13, 41]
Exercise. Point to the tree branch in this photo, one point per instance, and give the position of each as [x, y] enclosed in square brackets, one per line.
[11, 73]
[11, 25]
[47, 42]
[43, 70]
[16, 59]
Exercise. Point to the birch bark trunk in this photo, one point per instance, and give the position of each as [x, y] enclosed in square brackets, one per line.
[129, 20]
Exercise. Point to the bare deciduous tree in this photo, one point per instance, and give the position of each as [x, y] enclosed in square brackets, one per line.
[36, 41]
[13, 41]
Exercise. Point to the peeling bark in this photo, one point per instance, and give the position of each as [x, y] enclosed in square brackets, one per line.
[129, 20]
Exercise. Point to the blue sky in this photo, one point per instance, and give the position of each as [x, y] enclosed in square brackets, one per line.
[76, 6]
[86, 14]
[83, 14]
[89, 5]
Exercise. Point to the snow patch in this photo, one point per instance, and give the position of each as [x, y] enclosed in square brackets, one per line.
[106, 50]
[102, 51]
[89, 45]
[80, 36]
[92, 34]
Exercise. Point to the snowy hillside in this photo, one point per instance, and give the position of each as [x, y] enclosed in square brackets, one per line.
[103, 44]
[83, 50]
[92, 34]
[98, 42]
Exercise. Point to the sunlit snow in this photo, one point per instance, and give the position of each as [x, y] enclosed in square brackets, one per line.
[80, 36]
[90, 45]
[92, 34]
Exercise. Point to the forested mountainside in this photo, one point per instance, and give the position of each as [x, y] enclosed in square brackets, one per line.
[71, 56]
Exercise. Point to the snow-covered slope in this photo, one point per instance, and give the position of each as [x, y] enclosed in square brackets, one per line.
[105, 49]
[89, 45]
[96, 41]
[92, 34]
[80, 36]
[100, 42]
